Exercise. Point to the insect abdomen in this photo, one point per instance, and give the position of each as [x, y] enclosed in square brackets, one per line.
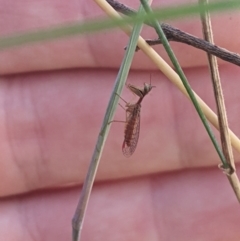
[132, 127]
[129, 131]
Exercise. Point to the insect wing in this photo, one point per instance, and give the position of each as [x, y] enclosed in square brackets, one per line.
[132, 126]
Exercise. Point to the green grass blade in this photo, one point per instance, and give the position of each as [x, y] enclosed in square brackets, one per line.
[92, 26]
[182, 76]
[119, 84]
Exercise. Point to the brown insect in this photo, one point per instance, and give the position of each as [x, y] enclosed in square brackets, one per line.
[132, 123]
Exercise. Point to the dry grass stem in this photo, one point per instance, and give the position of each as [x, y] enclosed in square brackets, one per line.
[222, 116]
[169, 72]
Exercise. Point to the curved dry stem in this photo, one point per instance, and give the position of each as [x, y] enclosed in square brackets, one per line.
[169, 73]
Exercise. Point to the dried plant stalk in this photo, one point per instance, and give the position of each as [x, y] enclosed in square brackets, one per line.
[230, 170]
[169, 73]
[174, 34]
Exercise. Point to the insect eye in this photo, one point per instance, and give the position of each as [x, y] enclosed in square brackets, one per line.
[147, 88]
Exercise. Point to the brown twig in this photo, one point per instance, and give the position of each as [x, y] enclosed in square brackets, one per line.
[174, 34]
[222, 117]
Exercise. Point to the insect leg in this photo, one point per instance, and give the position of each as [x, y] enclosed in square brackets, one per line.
[121, 98]
[122, 106]
[116, 121]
